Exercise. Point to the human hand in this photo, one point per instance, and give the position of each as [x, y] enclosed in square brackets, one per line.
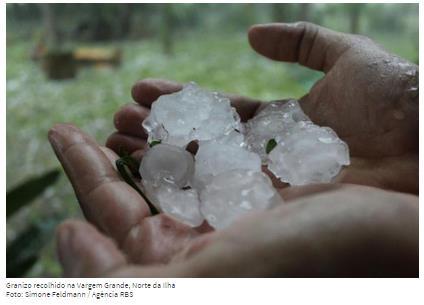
[368, 96]
[346, 231]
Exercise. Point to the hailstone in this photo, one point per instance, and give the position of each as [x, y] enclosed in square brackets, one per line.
[235, 193]
[190, 114]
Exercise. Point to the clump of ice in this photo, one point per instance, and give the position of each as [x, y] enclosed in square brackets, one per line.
[183, 204]
[190, 114]
[308, 154]
[224, 180]
[167, 163]
[305, 153]
[232, 194]
[270, 123]
[171, 179]
[234, 138]
[214, 158]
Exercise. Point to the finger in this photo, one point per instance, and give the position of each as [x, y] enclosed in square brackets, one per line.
[246, 107]
[119, 142]
[145, 92]
[111, 204]
[306, 43]
[111, 155]
[85, 252]
[128, 120]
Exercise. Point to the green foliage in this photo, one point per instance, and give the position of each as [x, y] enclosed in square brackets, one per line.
[27, 191]
[23, 252]
[270, 145]
[122, 164]
[154, 142]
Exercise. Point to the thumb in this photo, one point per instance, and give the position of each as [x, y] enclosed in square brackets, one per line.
[308, 44]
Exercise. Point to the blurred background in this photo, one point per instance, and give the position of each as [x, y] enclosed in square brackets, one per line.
[77, 63]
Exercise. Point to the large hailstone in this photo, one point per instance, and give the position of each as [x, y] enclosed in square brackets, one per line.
[165, 170]
[233, 194]
[308, 154]
[164, 163]
[214, 158]
[190, 114]
[270, 123]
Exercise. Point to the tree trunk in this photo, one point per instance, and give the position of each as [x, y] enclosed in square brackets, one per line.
[355, 14]
[304, 12]
[126, 16]
[167, 29]
[249, 11]
[278, 12]
[50, 26]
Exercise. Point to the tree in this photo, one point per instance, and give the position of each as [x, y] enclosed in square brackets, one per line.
[304, 12]
[168, 22]
[51, 31]
[125, 18]
[354, 16]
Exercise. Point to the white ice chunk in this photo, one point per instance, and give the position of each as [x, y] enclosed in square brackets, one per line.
[190, 114]
[308, 154]
[235, 138]
[290, 107]
[167, 163]
[214, 158]
[270, 123]
[181, 204]
[231, 195]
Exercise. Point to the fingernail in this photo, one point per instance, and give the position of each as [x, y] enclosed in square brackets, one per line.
[63, 135]
[54, 137]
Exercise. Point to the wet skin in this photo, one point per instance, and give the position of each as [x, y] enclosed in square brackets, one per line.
[368, 96]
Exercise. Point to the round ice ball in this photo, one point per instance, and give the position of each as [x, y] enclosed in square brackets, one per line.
[167, 163]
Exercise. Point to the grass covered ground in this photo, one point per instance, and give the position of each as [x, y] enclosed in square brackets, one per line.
[224, 63]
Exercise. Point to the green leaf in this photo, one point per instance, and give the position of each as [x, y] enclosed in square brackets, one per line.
[270, 145]
[155, 142]
[121, 165]
[23, 252]
[18, 268]
[133, 165]
[27, 191]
